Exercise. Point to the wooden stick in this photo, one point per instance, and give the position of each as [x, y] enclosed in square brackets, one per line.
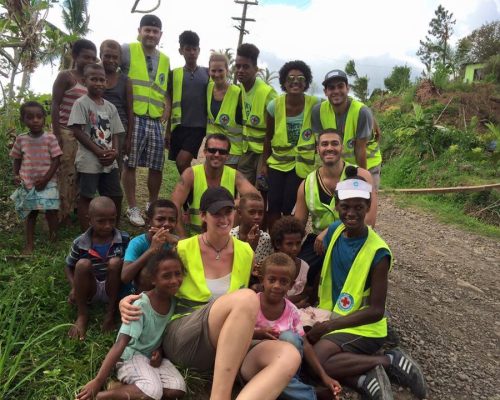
[457, 189]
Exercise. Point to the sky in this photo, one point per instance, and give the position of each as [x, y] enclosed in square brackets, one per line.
[377, 35]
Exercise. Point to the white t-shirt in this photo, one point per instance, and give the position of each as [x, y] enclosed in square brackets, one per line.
[219, 286]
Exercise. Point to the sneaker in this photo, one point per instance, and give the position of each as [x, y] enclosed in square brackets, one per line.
[376, 385]
[146, 208]
[406, 372]
[134, 216]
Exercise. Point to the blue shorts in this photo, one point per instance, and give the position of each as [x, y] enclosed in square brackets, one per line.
[147, 146]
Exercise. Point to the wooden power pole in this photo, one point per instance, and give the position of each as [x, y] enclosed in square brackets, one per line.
[243, 19]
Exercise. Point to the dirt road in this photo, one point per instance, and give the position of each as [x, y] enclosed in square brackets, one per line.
[444, 302]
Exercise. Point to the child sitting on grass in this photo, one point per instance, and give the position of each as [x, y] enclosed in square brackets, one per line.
[286, 236]
[36, 157]
[162, 219]
[94, 264]
[137, 352]
[279, 319]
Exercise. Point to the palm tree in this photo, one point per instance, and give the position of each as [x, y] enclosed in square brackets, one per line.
[229, 53]
[267, 76]
[76, 21]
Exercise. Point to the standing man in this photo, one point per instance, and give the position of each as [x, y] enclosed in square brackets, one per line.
[353, 120]
[189, 104]
[256, 95]
[213, 173]
[148, 69]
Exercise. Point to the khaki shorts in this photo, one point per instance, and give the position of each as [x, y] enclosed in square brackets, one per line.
[187, 343]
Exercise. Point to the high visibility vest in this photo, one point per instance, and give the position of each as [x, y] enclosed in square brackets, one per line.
[353, 296]
[254, 126]
[225, 121]
[322, 214]
[148, 95]
[228, 180]
[284, 156]
[327, 117]
[177, 78]
[193, 292]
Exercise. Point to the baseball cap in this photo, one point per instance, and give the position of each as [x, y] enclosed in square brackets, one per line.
[353, 188]
[335, 74]
[216, 198]
[150, 20]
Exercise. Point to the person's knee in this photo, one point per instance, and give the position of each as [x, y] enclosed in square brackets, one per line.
[115, 265]
[292, 338]
[246, 301]
[325, 349]
[289, 356]
[173, 393]
[83, 266]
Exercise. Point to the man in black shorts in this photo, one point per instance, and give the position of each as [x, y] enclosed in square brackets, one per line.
[188, 120]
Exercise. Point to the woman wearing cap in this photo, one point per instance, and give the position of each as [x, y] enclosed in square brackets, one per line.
[360, 261]
[214, 321]
[289, 147]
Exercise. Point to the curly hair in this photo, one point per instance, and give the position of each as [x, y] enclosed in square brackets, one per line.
[297, 64]
[249, 51]
[22, 109]
[285, 225]
[278, 260]
[82, 44]
[160, 203]
[189, 38]
[158, 258]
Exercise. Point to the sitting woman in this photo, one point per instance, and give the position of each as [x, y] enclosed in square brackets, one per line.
[214, 321]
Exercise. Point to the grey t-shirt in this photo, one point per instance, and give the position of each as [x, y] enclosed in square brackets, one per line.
[365, 121]
[100, 122]
[151, 62]
[194, 97]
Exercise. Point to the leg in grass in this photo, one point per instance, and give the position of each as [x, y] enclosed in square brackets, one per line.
[84, 287]
[51, 217]
[113, 282]
[30, 232]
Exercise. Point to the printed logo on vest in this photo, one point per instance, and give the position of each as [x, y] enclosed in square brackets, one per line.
[254, 120]
[224, 119]
[162, 78]
[306, 135]
[345, 302]
[350, 143]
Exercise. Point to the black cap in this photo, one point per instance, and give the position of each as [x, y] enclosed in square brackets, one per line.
[216, 198]
[150, 20]
[335, 74]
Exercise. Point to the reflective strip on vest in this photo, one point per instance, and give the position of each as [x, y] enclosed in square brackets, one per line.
[228, 180]
[327, 117]
[225, 121]
[353, 296]
[284, 156]
[322, 215]
[193, 292]
[254, 125]
[148, 96]
[177, 78]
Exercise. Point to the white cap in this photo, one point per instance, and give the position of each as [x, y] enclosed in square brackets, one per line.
[352, 188]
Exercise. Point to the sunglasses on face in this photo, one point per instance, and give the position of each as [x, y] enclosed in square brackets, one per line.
[214, 150]
[296, 78]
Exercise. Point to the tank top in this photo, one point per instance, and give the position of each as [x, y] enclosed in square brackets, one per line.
[117, 95]
[69, 98]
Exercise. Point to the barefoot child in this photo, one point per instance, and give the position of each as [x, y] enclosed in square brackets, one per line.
[286, 236]
[279, 319]
[36, 157]
[162, 219]
[137, 352]
[94, 264]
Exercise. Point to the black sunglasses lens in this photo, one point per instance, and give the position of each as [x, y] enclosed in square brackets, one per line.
[222, 152]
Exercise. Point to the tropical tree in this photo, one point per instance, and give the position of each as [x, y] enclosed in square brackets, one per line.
[360, 84]
[399, 79]
[229, 53]
[76, 21]
[267, 75]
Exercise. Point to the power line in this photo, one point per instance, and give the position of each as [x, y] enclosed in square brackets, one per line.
[243, 19]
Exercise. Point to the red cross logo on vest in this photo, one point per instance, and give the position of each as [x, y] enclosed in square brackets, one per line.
[345, 302]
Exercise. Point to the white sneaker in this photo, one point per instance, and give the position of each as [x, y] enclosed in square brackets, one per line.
[146, 208]
[134, 216]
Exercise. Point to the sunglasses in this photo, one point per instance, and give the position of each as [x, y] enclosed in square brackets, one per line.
[214, 150]
[296, 78]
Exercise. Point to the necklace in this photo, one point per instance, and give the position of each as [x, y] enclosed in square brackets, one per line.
[217, 251]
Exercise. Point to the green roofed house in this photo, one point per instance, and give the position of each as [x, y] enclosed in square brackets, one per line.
[474, 72]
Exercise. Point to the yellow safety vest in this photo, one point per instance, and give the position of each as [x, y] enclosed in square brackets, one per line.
[254, 127]
[177, 78]
[148, 95]
[193, 292]
[284, 156]
[327, 117]
[228, 180]
[353, 296]
[322, 214]
[225, 121]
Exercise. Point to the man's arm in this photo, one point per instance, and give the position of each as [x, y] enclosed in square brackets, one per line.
[301, 210]
[371, 215]
[360, 152]
[267, 142]
[363, 135]
[58, 88]
[129, 105]
[179, 196]
[243, 186]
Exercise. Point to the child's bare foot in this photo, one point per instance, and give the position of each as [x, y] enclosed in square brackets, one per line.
[77, 331]
[109, 324]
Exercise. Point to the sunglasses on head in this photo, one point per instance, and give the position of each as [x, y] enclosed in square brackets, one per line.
[214, 150]
[296, 78]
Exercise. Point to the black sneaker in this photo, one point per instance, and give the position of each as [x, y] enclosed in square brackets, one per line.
[406, 372]
[376, 385]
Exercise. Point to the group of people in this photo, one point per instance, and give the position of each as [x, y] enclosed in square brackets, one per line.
[211, 289]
